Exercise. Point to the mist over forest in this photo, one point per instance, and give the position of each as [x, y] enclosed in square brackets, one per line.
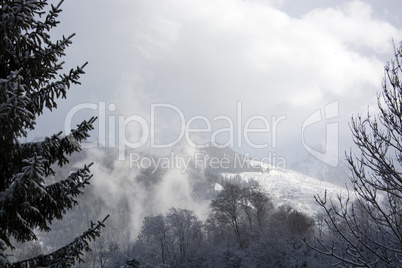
[138, 198]
[214, 133]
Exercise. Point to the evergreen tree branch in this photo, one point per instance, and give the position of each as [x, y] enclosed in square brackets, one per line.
[67, 255]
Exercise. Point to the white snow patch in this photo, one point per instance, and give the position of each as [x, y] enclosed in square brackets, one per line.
[287, 187]
[218, 187]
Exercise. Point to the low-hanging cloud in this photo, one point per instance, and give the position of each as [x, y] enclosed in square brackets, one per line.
[204, 57]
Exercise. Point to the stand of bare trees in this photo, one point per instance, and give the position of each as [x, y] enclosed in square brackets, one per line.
[367, 232]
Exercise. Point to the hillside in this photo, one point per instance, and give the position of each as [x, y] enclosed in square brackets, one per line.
[183, 179]
[287, 187]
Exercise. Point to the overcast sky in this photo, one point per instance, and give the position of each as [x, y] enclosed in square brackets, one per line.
[278, 61]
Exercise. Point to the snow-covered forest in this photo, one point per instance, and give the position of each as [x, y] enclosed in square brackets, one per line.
[206, 218]
[65, 204]
[242, 227]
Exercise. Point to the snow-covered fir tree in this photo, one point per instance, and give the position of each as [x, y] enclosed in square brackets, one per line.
[31, 81]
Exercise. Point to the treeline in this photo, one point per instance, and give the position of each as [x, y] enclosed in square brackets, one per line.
[243, 229]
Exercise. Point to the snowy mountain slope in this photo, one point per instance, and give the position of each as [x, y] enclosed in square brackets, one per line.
[284, 186]
[287, 187]
[162, 182]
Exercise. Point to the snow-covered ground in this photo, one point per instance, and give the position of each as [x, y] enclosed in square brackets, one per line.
[291, 188]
